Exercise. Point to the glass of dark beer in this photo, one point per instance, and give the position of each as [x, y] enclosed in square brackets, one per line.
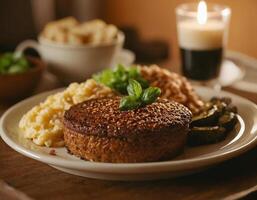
[202, 36]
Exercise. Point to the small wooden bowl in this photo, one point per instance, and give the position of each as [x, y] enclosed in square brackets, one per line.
[18, 86]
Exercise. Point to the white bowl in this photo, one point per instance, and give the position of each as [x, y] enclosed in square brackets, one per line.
[75, 63]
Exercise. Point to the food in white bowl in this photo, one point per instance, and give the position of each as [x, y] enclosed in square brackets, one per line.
[70, 31]
[74, 51]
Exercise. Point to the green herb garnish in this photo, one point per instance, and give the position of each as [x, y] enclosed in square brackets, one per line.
[134, 89]
[13, 63]
[118, 79]
[138, 97]
[129, 103]
[150, 95]
[128, 81]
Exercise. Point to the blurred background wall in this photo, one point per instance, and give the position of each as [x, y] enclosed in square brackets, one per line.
[154, 19]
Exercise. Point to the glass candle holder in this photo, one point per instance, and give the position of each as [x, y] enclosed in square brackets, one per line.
[202, 37]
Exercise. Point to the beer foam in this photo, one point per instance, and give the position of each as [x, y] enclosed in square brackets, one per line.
[195, 36]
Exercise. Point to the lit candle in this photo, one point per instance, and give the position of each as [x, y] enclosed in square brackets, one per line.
[201, 40]
[201, 34]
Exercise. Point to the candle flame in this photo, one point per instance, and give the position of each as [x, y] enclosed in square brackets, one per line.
[202, 12]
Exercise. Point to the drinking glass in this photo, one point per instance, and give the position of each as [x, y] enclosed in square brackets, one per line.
[202, 37]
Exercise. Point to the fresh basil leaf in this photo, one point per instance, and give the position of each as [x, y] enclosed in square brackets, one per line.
[120, 86]
[133, 72]
[144, 83]
[129, 103]
[134, 88]
[150, 95]
[105, 77]
[120, 73]
[120, 68]
[118, 79]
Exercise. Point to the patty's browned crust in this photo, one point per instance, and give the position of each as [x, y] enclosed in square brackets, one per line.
[97, 130]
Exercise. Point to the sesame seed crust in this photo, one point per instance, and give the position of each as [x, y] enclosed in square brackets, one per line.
[102, 117]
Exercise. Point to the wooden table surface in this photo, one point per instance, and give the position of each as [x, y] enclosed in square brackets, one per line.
[40, 181]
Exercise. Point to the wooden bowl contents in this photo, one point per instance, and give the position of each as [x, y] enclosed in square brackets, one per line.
[16, 86]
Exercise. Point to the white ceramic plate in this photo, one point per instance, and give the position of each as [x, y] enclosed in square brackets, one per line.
[192, 160]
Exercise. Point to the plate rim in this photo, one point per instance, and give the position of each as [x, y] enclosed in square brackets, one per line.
[148, 167]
